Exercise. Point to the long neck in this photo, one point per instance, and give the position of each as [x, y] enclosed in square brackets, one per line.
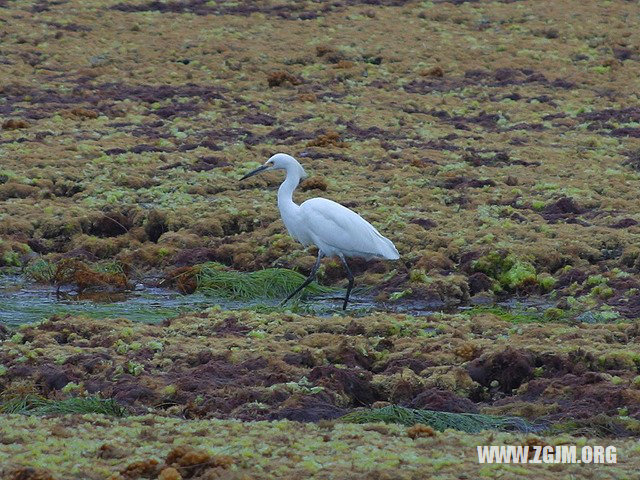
[285, 192]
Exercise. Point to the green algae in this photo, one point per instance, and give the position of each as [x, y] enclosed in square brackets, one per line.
[212, 279]
[321, 305]
[514, 315]
[40, 271]
[510, 272]
[464, 422]
[145, 311]
[596, 426]
[279, 449]
[519, 274]
[546, 282]
[10, 259]
[37, 405]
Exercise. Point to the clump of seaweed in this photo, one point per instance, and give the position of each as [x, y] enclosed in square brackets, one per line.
[275, 79]
[81, 113]
[213, 279]
[184, 462]
[14, 124]
[464, 422]
[71, 271]
[40, 271]
[37, 405]
[327, 139]
[17, 190]
[512, 273]
[28, 473]
[420, 430]
[517, 314]
[600, 425]
[436, 71]
[317, 183]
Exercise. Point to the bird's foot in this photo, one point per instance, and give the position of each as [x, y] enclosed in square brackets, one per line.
[283, 302]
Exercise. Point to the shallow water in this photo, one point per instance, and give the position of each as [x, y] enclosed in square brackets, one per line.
[25, 302]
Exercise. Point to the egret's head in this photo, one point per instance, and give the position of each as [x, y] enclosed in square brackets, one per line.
[280, 161]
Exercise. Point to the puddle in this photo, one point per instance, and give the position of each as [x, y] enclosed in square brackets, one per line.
[25, 302]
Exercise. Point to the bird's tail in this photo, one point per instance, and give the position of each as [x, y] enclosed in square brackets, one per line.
[389, 250]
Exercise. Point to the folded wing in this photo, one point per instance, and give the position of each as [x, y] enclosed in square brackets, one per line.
[337, 230]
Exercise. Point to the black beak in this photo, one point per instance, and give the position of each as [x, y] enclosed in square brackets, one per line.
[254, 172]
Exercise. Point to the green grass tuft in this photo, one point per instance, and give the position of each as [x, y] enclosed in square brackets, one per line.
[464, 422]
[37, 405]
[514, 315]
[40, 271]
[268, 283]
[600, 425]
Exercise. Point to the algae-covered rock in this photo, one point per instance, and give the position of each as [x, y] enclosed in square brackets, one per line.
[511, 273]
[454, 379]
[518, 275]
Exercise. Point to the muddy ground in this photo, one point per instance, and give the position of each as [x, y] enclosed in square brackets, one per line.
[496, 143]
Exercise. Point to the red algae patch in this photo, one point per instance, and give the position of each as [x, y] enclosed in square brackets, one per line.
[248, 366]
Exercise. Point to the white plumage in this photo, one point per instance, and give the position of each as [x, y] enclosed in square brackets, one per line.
[333, 228]
[336, 231]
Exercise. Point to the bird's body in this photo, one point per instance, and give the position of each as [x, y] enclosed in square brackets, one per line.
[333, 228]
[337, 231]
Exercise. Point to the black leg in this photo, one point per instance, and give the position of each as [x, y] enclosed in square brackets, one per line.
[312, 275]
[351, 281]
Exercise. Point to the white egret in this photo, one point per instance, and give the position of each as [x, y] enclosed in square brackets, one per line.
[333, 228]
